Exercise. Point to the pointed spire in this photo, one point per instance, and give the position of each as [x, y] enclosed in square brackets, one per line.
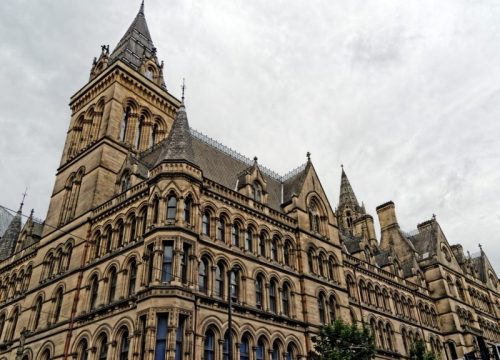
[136, 45]
[11, 235]
[347, 196]
[178, 145]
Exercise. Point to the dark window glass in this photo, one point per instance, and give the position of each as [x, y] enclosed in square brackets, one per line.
[274, 249]
[285, 300]
[143, 327]
[185, 263]
[225, 347]
[260, 351]
[262, 245]
[286, 253]
[112, 285]
[209, 346]
[161, 337]
[259, 292]
[132, 278]
[276, 352]
[205, 224]
[58, 305]
[235, 235]
[156, 209]
[321, 308]
[249, 240]
[94, 292]
[103, 348]
[171, 207]
[36, 321]
[150, 262]
[272, 296]
[245, 349]
[179, 339]
[187, 210]
[221, 229]
[166, 274]
[121, 232]
[219, 280]
[235, 285]
[203, 276]
[310, 263]
[124, 345]
[133, 226]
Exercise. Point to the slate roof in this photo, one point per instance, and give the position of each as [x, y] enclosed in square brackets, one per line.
[425, 241]
[5, 219]
[219, 163]
[10, 237]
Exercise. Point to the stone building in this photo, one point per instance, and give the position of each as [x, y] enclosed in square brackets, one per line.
[152, 227]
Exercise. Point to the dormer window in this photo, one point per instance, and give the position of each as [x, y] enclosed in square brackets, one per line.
[125, 182]
[257, 191]
[149, 73]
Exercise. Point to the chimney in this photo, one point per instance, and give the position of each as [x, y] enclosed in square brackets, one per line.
[387, 215]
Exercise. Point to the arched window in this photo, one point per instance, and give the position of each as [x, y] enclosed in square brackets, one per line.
[124, 124]
[285, 299]
[57, 306]
[60, 262]
[82, 350]
[321, 264]
[331, 269]
[144, 217]
[109, 239]
[235, 235]
[187, 209]
[97, 245]
[276, 353]
[46, 355]
[259, 292]
[13, 325]
[168, 258]
[272, 296]
[171, 207]
[121, 233]
[125, 182]
[310, 260]
[209, 345]
[149, 73]
[260, 352]
[154, 135]
[291, 352]
[138, 132]
[235, 285]
[112, 285]
[205, 223]
[262, 244]
[274, 249]
[94, 292]
[350, 287]
[103, 347]
[156, 209]
[331, 308]
[286, 253]
[249, 240]
[257, 191]
[69, 253]
[219, 280]
[36, 317]
[245, 348]
[203, 276]
[321, 308]
[133, 228]
[124, 344]
[221, 229]
[390, 342]
[132, 277]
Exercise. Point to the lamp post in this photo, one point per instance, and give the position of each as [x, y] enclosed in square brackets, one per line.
[230, 273]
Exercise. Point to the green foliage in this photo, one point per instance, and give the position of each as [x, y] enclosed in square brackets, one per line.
[418, 352]
[341, 341]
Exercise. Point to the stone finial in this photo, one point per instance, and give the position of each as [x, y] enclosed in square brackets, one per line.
[308, 156]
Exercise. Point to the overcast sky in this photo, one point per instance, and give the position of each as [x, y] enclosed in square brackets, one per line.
[405, 94]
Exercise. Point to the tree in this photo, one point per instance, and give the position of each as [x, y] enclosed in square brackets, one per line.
[418, 351]
[341, 341]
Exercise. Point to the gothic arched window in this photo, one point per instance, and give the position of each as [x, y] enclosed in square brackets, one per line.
[124, 344]
[125, 182]
[187, 209]
[138, 132]
[209, 345]
[171, 207]
[132, 277]
[235, 235]
[38, 312]
[205, 223]
[203, 276]
[94, 292]
[124, 124]
[285, 299]
[259, 292]
[249, 240]
[57, 306]
[272, 296]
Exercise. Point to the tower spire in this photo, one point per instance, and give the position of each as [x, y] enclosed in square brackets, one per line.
[347, 196]
[136, 44]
